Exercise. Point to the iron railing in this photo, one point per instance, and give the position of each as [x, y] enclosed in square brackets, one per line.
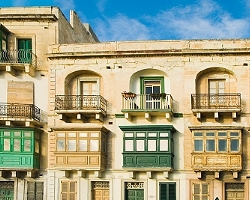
[16, 110]
[80, 102]
[216, 101]
[18, 56]
[147, 101]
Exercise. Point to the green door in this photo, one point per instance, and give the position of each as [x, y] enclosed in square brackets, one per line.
[24, 50]
[135, 194]
[6, 190]
[167, 191]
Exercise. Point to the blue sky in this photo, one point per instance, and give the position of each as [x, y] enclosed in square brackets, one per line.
[116, 20]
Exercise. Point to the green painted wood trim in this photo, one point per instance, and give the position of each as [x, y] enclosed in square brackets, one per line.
[119, 116]
[148, 128]
[178, 115]
[150, 78]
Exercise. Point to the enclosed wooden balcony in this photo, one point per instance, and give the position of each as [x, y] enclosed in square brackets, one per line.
[216, 103]
[18, 60]
[80, 107]
[147, 105]
[20, 114]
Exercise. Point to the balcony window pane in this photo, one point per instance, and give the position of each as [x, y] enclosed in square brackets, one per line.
[235, 145]
[83, 134]
[152, 134]
[210, 134]
[94, 145]
[140, 145]
[27, 134]
[71, 134]
[197, 134]
[60, 134]
[36, 146]
[129, 135]
[60, 145]
[222, 145]
[140, 134]
[222, 134]
[234, 134]
[198, 145]
[27, 145]
[163, 145]
[6, 133]
[210, 145]
[94, 135]
[17, 133]
[129, 145]
[163, 134]
[6, 144]
[82, 145]
[17, 144]
[151, 145]
[71, 145]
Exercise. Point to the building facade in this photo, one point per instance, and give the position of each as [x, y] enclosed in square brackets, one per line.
[163, 120]
[132, 120]
[24, 39]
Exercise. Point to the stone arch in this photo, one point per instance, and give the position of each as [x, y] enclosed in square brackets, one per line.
[71, 80]
[215, 73]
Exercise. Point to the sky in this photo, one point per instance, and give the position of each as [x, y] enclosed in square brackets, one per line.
[124, 20]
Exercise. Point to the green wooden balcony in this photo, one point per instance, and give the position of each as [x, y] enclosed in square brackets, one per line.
[148, 160]
[19, 149]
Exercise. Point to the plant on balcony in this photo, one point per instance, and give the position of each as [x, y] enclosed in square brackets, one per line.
[158, 95]
[128, 95]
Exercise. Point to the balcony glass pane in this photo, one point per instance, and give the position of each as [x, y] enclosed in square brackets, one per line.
[151, 145]
[27, 134]
[140, 145]
[140, 134]
[36, 146]
[129, 144]
[94, 135]
[129, 135]
[83, 134]
[94, 145]
[164, 135]
[222, 134]
[6, 133]
[71, 134]
[6, 143]
[17, 144]
[234, 134]
[71, 145]
[60, 145]
[27, 145]
[82, 145]
[210, 134]
[163, 145]
[197, 134]
[210, 145]
[17, 133]
[60, 134]
[152, 134]
[198, 145]
[222, 145]
[235, 145]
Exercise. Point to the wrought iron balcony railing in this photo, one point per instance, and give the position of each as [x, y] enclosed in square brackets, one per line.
[15, 110]
[18, 56]
[80, 102]
[216, 101]
[146, 101]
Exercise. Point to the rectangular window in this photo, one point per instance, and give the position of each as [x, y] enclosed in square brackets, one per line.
[80, 141]
[24, 50]
[17, 141]
[68, 190]
[167, 191]
[200, 191]
[146, 142]
[217, 141]
[34, 190]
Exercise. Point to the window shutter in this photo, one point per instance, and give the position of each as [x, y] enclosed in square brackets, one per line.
[167, 191]
[39, 190]
[31, 191]
[163, 191]
[172, 191]
[35, 191]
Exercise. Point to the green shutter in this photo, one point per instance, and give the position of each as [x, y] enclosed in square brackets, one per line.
[167, 191]
[24, 50]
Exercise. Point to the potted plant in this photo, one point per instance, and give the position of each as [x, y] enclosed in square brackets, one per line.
[128, 95]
